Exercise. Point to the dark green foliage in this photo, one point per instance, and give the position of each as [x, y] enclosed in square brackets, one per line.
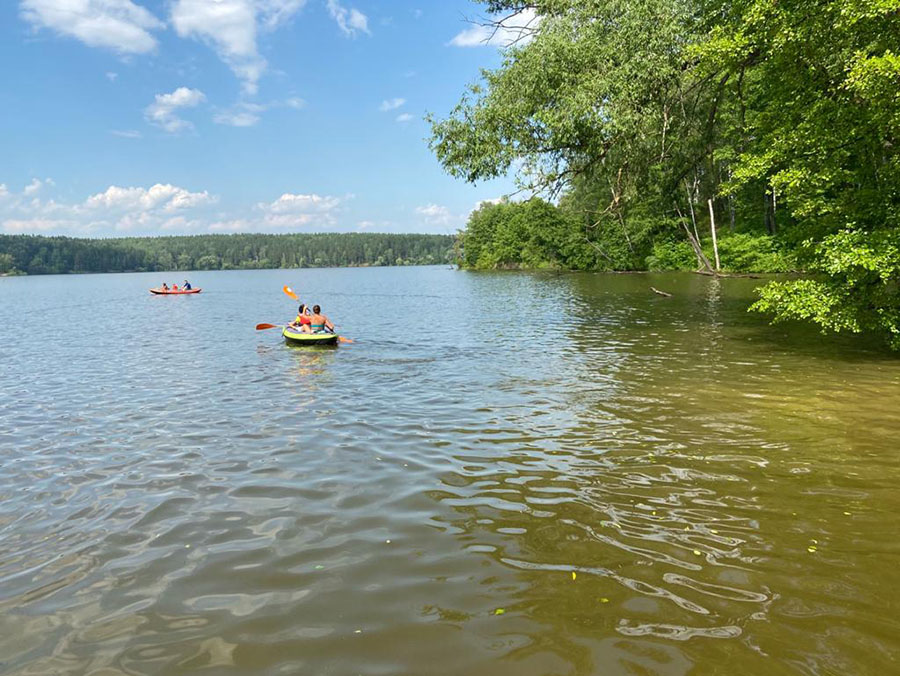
[36, 255]
[671, 256]
[745, 252]
[532, 234]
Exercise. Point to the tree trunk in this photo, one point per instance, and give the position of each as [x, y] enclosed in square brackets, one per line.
[712, 227]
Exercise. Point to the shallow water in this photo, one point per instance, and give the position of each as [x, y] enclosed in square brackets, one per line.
[505, 473]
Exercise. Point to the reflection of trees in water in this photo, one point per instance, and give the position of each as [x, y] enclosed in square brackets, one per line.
[602, 464]
[672, 465]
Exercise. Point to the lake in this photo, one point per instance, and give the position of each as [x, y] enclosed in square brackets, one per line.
[505, 473]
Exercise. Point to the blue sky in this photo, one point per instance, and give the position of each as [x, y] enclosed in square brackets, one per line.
[148, 117]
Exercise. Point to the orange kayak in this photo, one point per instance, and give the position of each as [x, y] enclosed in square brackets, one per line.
[169, 292]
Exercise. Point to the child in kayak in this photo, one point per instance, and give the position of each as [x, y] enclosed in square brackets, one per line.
[303, 319]
[319, 322]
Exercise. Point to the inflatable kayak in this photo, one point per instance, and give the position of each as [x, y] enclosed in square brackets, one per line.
[295, 337]
[169, 292]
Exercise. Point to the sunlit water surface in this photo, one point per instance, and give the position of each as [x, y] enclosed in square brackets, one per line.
[504, 474]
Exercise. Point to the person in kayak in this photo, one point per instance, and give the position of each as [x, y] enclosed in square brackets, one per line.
[319, 322]
[174, 287]
[165, 287]
[303, 319]
[186, 286]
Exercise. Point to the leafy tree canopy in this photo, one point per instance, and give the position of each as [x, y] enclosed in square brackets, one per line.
[786, 114]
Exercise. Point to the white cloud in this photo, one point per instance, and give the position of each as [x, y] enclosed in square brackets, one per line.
[515, 28]
[241, 115]
[244, 114]
[33, 188]
[391, 104]
[350, 21]
[162, 111]
[235, 118]
[290, 203]
[164, 208]
[111, 76]
[404, 117]
[163, 197]
[434, 214]
[230, 27]
[297, 210]
[125, 133]
[120, 25]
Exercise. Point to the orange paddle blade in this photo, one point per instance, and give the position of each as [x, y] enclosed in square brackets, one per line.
[263, 327]
[344, 340]
[290, 292]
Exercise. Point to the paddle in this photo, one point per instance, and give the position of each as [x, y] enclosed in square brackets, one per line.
[263, 327]
[290, 292]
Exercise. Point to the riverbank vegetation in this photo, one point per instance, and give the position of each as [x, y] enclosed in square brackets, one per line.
[643, 121]
[36, 255]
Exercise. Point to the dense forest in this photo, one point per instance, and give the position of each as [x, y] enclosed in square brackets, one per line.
[36, 255]
[643, 121]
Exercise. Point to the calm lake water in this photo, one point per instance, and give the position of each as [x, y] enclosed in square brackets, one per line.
[505, 474]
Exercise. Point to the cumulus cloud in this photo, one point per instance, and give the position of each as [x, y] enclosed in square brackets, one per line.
[290, 203]
[350, 21]
[162, 111]
[120, 25]
[391, 104]
[404, 117]
[296, 210]
[434, 214]
[125, 133]
[165, 197]
[163, 208]
[512, 29]
[33, 188]
[231, 27]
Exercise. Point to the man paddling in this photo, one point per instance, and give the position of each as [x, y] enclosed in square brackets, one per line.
[319, 322]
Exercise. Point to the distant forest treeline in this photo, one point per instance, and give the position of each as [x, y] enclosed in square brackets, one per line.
[38, 255]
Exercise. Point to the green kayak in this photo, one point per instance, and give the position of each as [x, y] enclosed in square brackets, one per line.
[295, 337]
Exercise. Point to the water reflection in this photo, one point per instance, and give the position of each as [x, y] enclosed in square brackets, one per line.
[543, 474]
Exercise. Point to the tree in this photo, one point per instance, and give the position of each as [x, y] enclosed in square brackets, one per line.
[784, 113]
